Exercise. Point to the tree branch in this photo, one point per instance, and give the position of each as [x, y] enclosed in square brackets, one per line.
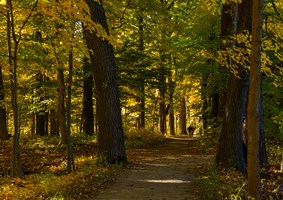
[25, 22]
[122, 17]
[276, 11]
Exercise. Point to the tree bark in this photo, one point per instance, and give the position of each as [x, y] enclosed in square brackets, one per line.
[215, 105]
[87, 114]
[40, 114]
[226, 32]
[3, 118]
[142, 105]
[230, 152]
[171, 103]
[142, 88]
[263, 158]
[13, 58]
[183, 118]
[253, 111]
[171, 116]
[162, 90]
[110, 137]
[54, 128]
[61, 106]
[71, 162]
[205, 105]
[46, 123]
[162, 114]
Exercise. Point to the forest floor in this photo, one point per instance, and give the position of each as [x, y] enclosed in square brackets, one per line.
[164, 171]
[159, 168]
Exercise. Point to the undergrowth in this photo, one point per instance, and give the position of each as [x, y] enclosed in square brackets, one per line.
[44, 165]
[227, 183]
[142, 137]
[221, 183]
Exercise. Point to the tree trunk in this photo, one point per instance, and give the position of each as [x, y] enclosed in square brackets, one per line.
[162, 90]
[215, 105]
[110, 137]
[183, 118]
[171, 116]
[171, 102]
[13, 58]
[32, 128]
[230, 152]
[61, 106]
[87, 114]
[70, 163]
[46, 123]
[142, 105]
[162, 114]
[226, 32]
[142, 88]
[204, 110]
[263, 158]
[3, 120]
[40, 119]
[281, 166]
[253, 111]
[54, 128]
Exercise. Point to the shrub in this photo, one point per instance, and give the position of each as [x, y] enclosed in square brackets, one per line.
[142, 137]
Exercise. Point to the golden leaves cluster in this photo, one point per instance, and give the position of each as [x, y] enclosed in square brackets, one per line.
[237, 53]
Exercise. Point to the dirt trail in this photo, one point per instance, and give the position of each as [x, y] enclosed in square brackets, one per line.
[165, 172]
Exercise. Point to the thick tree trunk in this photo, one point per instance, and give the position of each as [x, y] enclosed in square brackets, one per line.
[183, 117]
[254, 98]
[230, 152]
[3, 120]
[110, 137]
[226, 32]
[87, 114]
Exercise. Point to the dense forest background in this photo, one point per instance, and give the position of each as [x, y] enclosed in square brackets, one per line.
[177, 63]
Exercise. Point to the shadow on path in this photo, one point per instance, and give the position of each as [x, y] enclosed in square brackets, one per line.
[164, 172]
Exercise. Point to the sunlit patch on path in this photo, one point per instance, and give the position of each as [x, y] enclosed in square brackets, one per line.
[167, 171]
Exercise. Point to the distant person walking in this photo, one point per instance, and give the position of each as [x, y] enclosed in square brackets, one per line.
[189, 130]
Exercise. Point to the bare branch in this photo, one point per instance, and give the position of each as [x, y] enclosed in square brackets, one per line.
[122, 17]
[2, 13]
[25, 22]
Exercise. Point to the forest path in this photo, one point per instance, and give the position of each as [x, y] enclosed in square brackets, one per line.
[164, 172]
